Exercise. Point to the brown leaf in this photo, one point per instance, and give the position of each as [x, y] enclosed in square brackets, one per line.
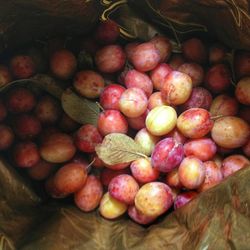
[80, 109]
[119, 148]
[39, 81]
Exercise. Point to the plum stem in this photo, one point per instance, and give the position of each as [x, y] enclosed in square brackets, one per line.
[100, 106]
[88, 168]
[216, 117]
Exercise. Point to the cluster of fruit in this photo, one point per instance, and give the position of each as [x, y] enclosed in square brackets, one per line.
[183, 110]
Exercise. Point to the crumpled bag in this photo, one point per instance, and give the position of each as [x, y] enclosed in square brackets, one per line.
[218, 219]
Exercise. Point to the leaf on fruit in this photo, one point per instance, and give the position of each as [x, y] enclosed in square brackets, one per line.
[39, 81]
[49, 84]
[80, 109]
[119, 148]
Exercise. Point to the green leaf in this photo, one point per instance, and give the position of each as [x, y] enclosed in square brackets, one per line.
[119, 148]
[41, 81]
[80, 109]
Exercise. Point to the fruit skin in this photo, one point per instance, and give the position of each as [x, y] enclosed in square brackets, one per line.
[86, 138]
[6, 137]
[123, 188]
[145, 57]
[136, 79]
[57, 148]
[230, 132]
[158, 75]
[242, 63]
[41, 170]
[146, 140]
[199, 98]
[195, 123]
[51, 189]
[213, 176]
[20, 100]
[246, 149]
[139, 217]
[217, 53]
[112, 121]
[176, 88]
[70, 178]
[26, 154]
[177, 135]
[195, 71]
[108, 174]
[143, 171]
[133, 102]
[5, 76]
[89, 196]
[242, 91]
[107, 32]
[233, 163]
[191, 172]
[137, 123]
[218, 78]
[176, 61]
[161, 120]
[110, 59]
[22, 66]
[110, 96]
[63, 64]
[27, 126]
[194, 50]
[48, 110]
[110, 208]
[202, 148]
[153, 199]
[172, 179]
[224, 105]
[184, 198]
[156, 100]
[163, 45]
[88, 83]
[167, 155]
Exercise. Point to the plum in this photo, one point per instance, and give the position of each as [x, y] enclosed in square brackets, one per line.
[161, 120]
[176, 88]
[230, 132]
[63, 64]
[89, 196]
[110, 59]
[57, 148]
[233, 163]
[145, 57]
[86, 138]
[191, 172]
[70, 178]
[143, 171]
[167, 155]
[123, 188]
[110, 208]
[153, 199]
[88, 83]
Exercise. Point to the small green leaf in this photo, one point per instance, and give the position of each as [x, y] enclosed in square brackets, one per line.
[80, 109]
[119, 148]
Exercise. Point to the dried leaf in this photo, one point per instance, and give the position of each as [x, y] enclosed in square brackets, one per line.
[119, 148]
[41, 81]
[49, 84]
[80, 109]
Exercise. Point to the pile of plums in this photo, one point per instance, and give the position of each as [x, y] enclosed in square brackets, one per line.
[189, 111]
